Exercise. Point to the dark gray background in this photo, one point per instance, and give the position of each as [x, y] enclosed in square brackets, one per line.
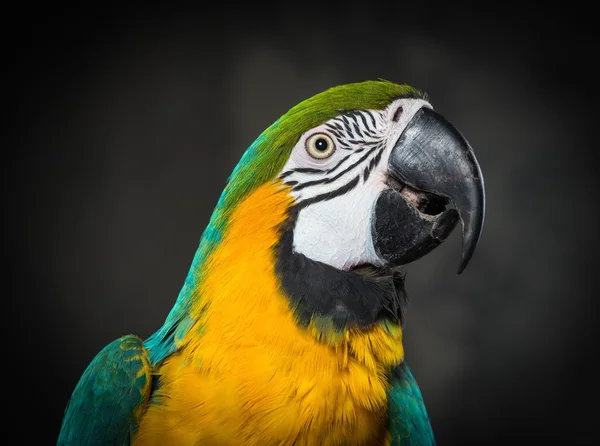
[124, 125]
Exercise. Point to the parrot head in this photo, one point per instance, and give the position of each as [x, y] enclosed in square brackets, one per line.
[374, 179]
[372, 185]
[378, 179]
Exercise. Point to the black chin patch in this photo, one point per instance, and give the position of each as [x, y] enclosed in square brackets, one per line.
[356, 298]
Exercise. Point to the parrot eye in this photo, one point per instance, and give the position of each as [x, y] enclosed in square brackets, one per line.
[320, 146]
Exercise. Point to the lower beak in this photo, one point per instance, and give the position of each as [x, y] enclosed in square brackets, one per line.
[430, 166]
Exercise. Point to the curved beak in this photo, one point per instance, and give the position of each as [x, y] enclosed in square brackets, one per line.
[430, 165]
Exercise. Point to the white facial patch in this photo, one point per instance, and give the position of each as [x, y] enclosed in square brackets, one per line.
[337, 193]
[338, 231]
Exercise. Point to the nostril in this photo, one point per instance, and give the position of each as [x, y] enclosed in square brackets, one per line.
[397, 114]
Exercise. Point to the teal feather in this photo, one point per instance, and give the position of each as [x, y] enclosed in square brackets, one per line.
[408, 422]
[111, 393]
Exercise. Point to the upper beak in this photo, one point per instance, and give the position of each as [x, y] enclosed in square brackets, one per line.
[430, 164]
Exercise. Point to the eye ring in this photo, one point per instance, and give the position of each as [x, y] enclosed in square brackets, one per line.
[320, 146]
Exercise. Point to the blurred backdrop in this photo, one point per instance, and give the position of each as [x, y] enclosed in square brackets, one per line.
[124, 125]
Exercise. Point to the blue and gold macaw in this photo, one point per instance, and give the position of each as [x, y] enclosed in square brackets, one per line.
[288, 328]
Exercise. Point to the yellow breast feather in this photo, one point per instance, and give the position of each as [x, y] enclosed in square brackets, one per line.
[248, 374]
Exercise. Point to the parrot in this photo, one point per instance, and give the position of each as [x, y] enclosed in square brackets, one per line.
[288, 328]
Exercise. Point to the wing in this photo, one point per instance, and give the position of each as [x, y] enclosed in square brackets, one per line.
[110, 396]
[408, 422]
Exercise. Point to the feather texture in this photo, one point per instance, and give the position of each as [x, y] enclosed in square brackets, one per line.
[408, 422]
[110, 397]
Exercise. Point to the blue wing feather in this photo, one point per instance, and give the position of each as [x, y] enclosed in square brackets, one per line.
[408, 422]
[110, 396]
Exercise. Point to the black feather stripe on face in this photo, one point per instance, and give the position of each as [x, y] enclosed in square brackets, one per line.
[351, 299]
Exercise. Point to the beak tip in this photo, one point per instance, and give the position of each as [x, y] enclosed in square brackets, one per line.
[472, 229]
[469, 244]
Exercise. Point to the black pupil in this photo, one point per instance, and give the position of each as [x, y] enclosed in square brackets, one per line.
[321, 144]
